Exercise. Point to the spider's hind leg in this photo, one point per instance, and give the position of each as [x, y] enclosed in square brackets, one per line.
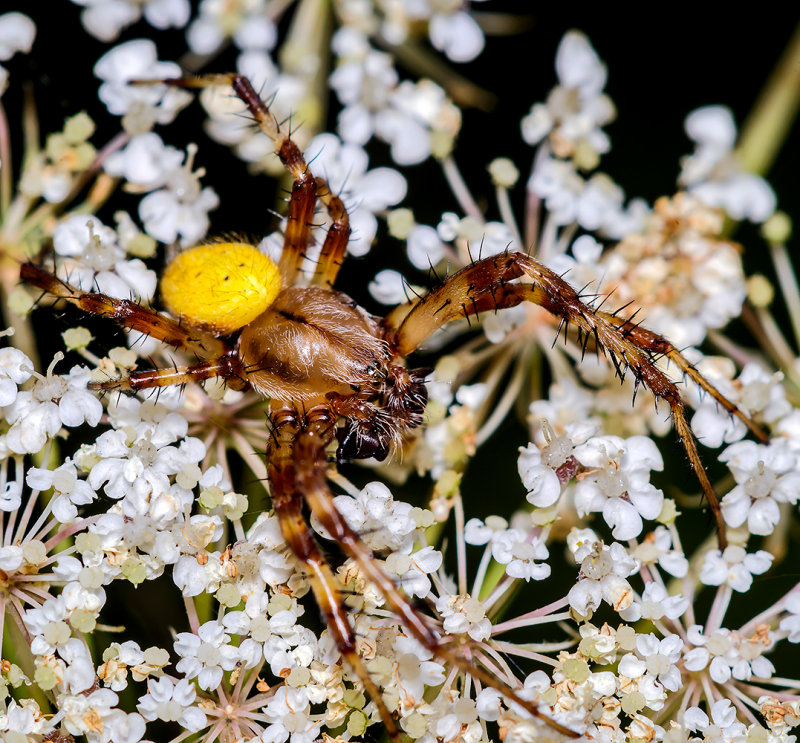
[287, 501]
[310, 461]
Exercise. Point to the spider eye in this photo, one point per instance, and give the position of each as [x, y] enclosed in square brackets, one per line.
[220, 287]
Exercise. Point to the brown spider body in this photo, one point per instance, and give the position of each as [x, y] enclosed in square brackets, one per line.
[332, 371]
[316, 347]
[311, 342]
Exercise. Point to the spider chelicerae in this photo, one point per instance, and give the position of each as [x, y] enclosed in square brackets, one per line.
[334, 373]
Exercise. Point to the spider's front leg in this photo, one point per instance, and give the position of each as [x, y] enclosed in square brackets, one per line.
[489, 285]
[309, 463]
[283, 464]
[306, 188]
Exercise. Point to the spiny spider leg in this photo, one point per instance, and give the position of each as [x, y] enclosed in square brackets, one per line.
[228, 367]
[485, 286]
[306, 189]
[283, 463]
[310, 462]
[128, 313]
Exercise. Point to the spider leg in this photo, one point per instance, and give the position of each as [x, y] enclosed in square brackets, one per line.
[311, 464]
[486, 286]
[228, 367]
[287, 501]
[306, 189]
[335, 245]
[127, 313]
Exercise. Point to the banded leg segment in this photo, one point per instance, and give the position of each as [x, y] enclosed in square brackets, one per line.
[335, 245]
[287, 500]
[486, 285]
[128, 314]
[305, 190]
[311, 463]
[228, 367]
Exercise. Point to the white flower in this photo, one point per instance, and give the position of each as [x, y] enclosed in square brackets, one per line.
[181, 208]
[734, 567]
[577, 108]
[791, 621]
[206, 655]
[723, 725]
[48, 625]
[464, 614]
[275, 565]
[766, 475]
[415, 670]
[264, 637]
[728, 655]
[54, 400]
[389, 287]
[657, 547]
[172, 702]
[712, 172]
[246, 24]
[288, 712]
[617, 482]
[655, 605]
[141, 105]
[456, 34]
[417, 115]
[521, 553]
[413, 570]
[373, 513]
[104, 19]
[68, 491]
[17, 33]
[603, 573]
[15, 369]
[95, 261]
[145, 161]
[424, 247]
[363, 81]
[653, 665]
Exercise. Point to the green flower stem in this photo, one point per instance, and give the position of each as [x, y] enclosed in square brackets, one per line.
[772, 116]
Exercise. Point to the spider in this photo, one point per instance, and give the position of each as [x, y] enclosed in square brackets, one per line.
[335, 374]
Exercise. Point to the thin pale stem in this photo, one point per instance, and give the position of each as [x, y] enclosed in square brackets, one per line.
[6, 164]
[460, 189]
[788, 281]
[507, 215]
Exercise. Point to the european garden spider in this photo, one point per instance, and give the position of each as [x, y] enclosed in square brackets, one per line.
[332, 371]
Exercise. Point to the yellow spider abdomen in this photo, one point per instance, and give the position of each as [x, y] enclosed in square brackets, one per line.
[220, 287]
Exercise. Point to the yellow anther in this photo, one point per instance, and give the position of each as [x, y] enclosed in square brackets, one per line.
[220, 287]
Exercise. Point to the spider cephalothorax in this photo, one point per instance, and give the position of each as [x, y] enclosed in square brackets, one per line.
[336, 376]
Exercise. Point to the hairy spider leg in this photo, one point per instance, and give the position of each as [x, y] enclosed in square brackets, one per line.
[228, 367]
[486, 286]
[128, 313]
[310, 459]
[306, 189]
[283, 464]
